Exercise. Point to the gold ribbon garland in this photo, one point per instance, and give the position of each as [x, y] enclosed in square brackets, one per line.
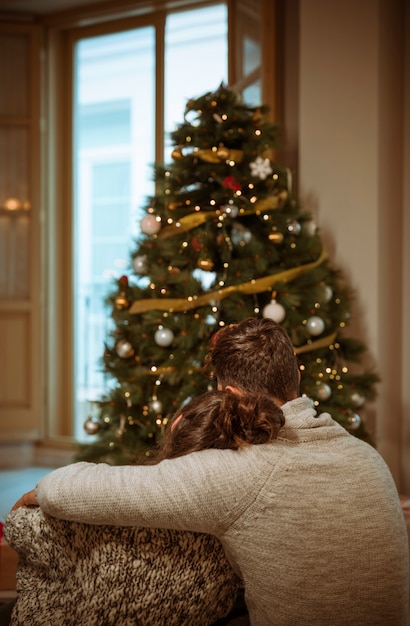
[253, 286]
[324, 342]
[193, 220]
[219, 155]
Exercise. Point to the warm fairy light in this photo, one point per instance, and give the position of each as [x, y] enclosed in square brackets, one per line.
[258, 132]
[154, 368]
[170, 220]
[12, 204]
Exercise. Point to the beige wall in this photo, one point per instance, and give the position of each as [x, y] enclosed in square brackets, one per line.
[348, 65]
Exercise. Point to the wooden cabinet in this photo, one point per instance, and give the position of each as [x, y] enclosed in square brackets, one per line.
[21, 356]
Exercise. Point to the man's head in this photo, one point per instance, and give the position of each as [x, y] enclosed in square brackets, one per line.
[256, 355]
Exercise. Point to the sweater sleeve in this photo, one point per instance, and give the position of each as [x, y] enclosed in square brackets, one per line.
[204, 492]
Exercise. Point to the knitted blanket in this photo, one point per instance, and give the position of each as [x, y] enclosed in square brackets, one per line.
[72, 574]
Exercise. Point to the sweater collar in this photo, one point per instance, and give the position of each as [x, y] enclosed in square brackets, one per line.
[300, 413]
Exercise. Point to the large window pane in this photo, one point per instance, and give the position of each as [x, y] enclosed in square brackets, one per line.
[196, 59]
[114, 129]
[114, 142]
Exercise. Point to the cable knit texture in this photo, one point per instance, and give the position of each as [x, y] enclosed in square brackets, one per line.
[311, 522]
[72, 574]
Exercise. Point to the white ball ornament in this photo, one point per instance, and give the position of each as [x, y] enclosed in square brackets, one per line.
[139, 263]
[91, 426]
[353, 421]
[357, 399]
[293, 227]
[124, 349]
[274, 311]
[150, 225]
[327, 293]
[164, 337]
[310, 228]
[323, 392]
[315, 325]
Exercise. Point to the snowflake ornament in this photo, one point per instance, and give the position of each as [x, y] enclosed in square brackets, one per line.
[261, 168]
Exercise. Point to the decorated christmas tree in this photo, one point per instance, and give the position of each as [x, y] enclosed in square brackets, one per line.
[223, 239]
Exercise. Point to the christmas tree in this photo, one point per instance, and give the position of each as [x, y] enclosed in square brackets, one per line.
[223, 239]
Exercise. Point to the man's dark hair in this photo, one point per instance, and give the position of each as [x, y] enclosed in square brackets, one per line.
[256, 355]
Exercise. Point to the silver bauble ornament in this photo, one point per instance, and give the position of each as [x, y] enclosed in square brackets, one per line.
[323, 392]
[357, 399]
[310, 228]
[315, 325]
[240, 235]
[150, 225]
[274, 311]
[164, 337]
[353, 421]
[293, 227]
[139, 263]
[91, 427]
[327, 293]
[124, 349]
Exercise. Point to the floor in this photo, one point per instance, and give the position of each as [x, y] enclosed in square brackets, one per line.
[15, 482]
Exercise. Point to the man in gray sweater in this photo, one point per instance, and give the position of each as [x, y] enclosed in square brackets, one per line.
[310, 521]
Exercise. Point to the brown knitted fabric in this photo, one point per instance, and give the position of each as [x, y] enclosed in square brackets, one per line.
[71, 573]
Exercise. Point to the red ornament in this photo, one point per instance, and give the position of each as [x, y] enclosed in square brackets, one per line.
[196, 244]
[230, 182]
[123, 281]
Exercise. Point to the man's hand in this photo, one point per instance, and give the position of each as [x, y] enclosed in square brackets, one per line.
[28, 499]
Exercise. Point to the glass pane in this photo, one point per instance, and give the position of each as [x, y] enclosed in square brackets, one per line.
[251, 54]
[114, 147]
[252, 95]
[114, 152]
[196, 59]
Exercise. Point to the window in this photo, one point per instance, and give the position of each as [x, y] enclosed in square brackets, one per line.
[117, 85]
[113, 152]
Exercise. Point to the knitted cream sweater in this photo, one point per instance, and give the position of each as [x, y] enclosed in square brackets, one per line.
[311, 522]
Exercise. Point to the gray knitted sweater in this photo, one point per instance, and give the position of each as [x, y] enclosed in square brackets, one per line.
[311, 522]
